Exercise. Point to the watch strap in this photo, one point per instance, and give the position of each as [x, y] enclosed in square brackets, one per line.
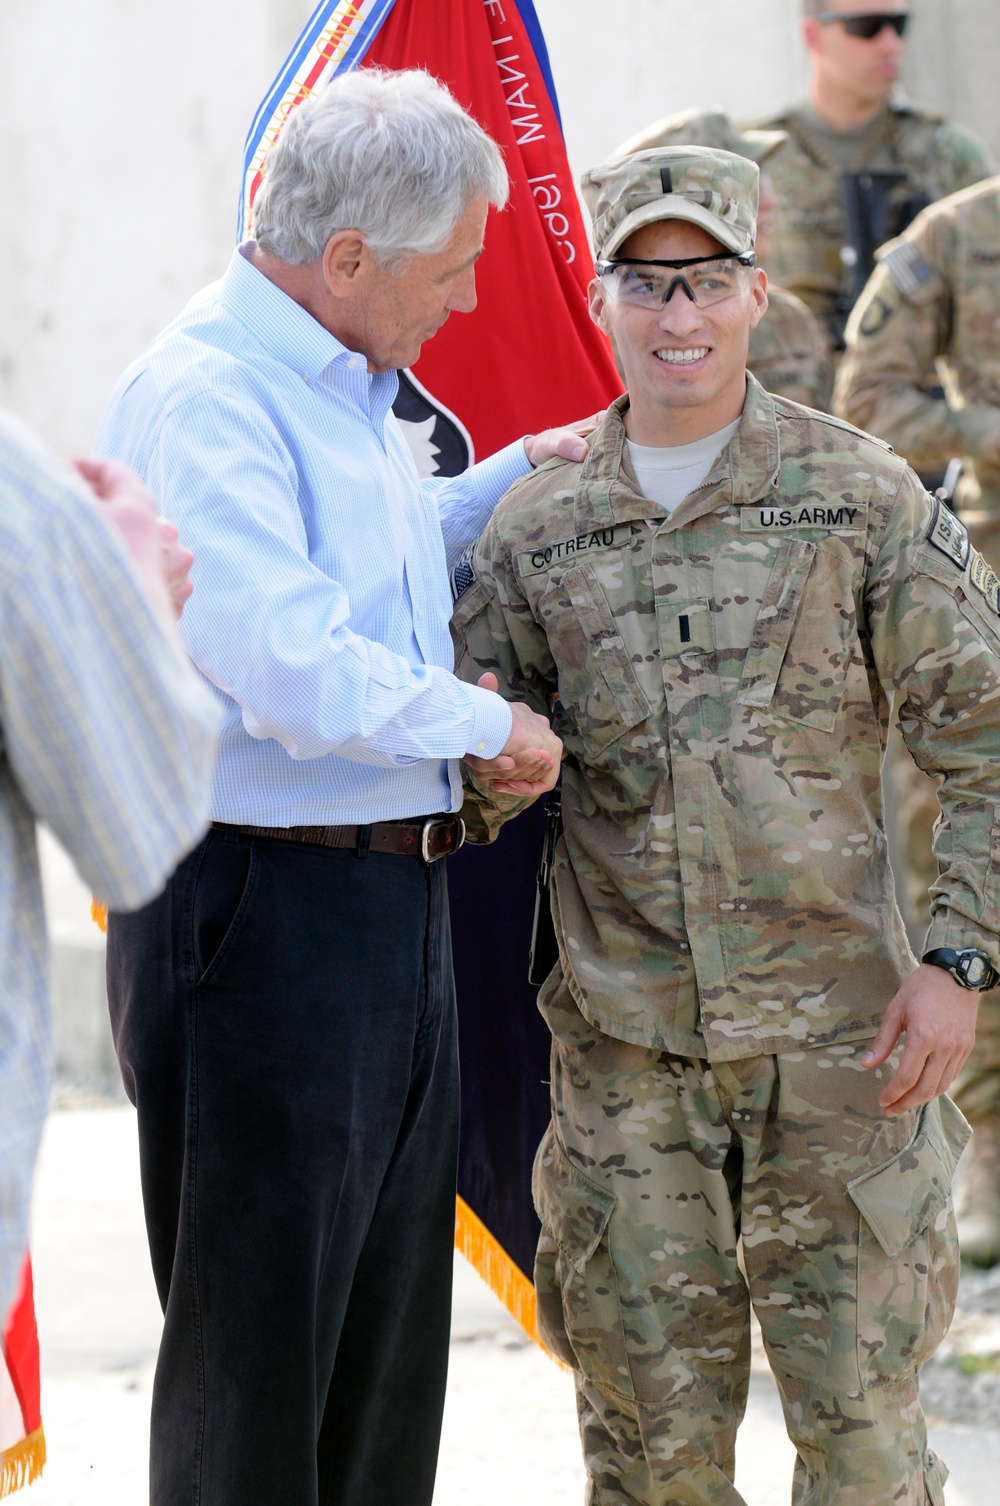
[952, 961]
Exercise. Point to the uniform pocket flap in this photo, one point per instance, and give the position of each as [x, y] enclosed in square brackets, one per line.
[773, 630]
[572, 1208]
[607, 648]
[898, 1200]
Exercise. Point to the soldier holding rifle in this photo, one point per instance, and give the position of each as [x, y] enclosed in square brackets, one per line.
[860, 162]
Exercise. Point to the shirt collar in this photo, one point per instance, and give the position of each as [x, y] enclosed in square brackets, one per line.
[279, 324]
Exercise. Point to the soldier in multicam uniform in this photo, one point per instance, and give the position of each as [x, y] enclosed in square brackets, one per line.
[789, 353]
[934, 299]
[852, 123]
[729, 596]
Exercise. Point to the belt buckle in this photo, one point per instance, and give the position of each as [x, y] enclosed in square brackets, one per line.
[436, 823]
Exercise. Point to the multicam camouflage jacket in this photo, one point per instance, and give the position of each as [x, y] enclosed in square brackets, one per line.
[724, 676]
[936, 156]
[934, 297]
[789, 354]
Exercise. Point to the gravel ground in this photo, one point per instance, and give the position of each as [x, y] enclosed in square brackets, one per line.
[510, 1428]
[961, 1384]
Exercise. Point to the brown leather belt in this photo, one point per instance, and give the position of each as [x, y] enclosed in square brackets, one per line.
[427, 837]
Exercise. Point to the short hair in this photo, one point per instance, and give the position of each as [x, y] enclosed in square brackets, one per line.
[816, 7]
[391, 154]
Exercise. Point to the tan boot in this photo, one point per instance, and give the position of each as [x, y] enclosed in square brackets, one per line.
[977, 1194]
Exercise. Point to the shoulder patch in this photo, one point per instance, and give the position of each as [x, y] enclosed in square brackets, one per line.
[463, 573]
[913, 275]
[984, 578]
[565, 551]
[949, 534]
[878, 312]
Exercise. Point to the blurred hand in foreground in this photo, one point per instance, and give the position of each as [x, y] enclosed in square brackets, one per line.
[162, 562]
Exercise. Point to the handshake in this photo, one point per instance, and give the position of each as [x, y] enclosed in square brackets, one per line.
[528, 763]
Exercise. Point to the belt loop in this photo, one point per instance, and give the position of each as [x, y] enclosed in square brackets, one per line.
[363, 842]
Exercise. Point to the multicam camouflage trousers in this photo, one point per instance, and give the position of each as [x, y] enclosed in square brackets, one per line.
[653, 1168]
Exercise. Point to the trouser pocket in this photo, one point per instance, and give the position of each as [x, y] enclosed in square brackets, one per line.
[908, 1259]
[224, 885]
[579, 1311]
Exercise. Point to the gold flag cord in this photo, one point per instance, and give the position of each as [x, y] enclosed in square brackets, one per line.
[502, 1275]
[22, 1463]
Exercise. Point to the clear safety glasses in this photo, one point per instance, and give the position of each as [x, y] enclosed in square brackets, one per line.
[650, 285]
[868, 25]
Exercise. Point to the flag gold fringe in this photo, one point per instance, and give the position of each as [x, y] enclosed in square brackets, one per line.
[99, 915]
[22, 1463]
[502, 1275]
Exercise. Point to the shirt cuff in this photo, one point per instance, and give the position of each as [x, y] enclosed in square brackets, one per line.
[492, 725]
[950, 930]
[492, 477]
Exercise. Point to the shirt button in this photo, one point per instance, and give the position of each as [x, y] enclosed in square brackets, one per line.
[481, 747]
[354, 363]
[420, 614]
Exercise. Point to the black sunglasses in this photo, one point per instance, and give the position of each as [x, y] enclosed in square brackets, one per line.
[867, 26]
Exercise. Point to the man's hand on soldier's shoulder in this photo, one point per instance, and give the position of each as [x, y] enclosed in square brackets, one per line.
[567, 441]
[528, 763]
[939, 1018]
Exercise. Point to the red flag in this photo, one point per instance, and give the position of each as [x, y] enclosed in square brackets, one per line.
[529, 356]
[22, 1441]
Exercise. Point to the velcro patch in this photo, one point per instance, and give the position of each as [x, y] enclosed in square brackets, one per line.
[840, 518]
[949, 534]
[915, 278]
[986, 582]
[463, 574]
[566, 550]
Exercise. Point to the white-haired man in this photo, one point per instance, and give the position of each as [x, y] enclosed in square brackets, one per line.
[284, 1017]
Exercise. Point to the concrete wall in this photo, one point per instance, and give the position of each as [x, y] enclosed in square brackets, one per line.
[125, 127]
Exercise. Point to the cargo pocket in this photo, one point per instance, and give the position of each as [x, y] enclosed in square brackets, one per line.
[596, 676]
[908, 1249]
[579, 1312]
[796, 665]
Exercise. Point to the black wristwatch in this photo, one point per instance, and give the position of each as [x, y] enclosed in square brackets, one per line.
[970, 968]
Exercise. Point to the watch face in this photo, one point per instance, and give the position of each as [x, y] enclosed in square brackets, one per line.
[974, 968]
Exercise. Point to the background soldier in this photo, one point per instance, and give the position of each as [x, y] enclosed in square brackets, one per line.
[789, 354]
[724, 594]
[934, 298]
[859, 163]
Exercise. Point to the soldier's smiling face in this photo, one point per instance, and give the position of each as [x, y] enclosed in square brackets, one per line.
[684, 365]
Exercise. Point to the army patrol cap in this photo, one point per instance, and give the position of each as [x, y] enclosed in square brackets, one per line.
[714, 189]
[705, 128]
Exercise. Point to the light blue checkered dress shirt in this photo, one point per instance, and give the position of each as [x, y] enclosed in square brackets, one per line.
[321, 602]
[106, 733]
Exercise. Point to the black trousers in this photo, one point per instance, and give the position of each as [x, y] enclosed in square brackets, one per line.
[284, 1018]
